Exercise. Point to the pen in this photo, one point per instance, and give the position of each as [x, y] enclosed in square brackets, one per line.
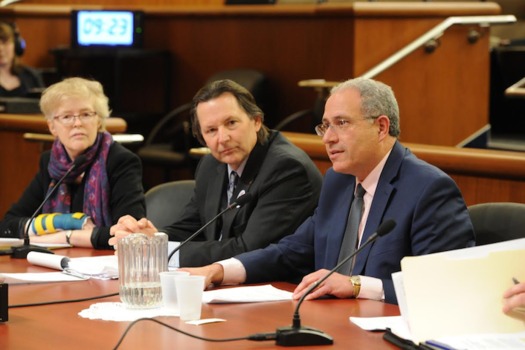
[75, 274]
[438, 345]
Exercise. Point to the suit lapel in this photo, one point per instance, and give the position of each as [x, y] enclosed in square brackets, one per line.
[214, 197]
[253, 165]
[382, 195]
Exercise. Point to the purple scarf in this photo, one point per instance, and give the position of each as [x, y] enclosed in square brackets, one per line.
[96, 188]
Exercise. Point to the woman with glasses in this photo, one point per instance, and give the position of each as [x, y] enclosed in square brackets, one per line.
[104, 184]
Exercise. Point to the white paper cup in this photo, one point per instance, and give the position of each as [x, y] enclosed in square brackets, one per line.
[169, 292]
[189, 296]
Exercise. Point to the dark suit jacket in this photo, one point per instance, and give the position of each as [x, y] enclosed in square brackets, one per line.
[425, 203]
[127, 196]
[285, 186]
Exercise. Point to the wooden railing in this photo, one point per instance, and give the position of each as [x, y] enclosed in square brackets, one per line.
[482, 175]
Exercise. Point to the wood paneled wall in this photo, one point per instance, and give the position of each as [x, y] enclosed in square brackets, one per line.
[126, 2]
[482, 175]
[442, 96]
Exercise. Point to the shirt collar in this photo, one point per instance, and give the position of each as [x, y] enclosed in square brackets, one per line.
[239, 170]
[371, 181]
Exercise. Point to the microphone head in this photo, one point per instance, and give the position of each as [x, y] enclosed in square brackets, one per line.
[242, 200]
[386, 227]
[81, 159]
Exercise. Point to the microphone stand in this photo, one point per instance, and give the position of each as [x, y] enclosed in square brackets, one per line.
[296, 335]
[22, 251]
[242, 200]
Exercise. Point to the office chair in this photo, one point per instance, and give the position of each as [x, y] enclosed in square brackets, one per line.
[497, 222]
[313, 116]
[168, 144]
[166, 202]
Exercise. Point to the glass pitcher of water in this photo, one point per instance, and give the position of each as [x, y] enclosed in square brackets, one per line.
[141, 258]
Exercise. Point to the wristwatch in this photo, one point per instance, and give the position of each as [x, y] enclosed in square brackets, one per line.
[356, 282]
[69, 233]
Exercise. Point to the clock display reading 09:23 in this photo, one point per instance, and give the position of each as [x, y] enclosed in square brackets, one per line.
[105, 28]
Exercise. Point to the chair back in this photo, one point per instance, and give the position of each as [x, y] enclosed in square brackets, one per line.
[497, 222]
[165, 203]
[253, 80]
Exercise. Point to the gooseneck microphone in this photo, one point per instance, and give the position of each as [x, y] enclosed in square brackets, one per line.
[296, 335]
[239, 202]
[22, 251]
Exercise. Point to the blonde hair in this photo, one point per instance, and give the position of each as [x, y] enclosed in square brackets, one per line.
[92, 90]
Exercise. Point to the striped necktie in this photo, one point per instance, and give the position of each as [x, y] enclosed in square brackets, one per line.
[234, 179]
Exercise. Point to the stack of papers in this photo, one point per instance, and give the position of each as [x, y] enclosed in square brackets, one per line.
[7, 243]
[246, 295]
[72, 269]
[456, 297]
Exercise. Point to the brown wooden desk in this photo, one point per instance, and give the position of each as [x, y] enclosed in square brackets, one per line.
[59, 326]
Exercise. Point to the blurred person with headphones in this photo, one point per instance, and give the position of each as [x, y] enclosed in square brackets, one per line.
[16, 80]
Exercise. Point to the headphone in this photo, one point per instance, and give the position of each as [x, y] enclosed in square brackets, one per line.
[20, 43]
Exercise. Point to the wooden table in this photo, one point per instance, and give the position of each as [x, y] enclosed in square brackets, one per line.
[60, 327]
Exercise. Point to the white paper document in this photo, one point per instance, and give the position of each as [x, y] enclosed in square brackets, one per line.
[73, 269]
[100, 267]
[11, 242]
[40, 277]
[513, 341]
[16, 242]
[396, 323]
[247, 294]
[461, 292]
[455, 298]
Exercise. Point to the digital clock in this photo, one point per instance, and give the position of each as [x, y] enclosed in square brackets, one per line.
[106, 28]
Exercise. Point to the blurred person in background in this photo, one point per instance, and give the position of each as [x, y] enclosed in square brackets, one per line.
[16, 80]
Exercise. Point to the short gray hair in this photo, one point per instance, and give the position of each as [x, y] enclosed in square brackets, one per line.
[377, 99]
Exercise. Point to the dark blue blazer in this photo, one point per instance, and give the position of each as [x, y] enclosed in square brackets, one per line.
[425, 203]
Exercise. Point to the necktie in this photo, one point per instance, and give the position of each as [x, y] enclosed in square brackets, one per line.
[352, 230]
[232, 182]
[234, 178]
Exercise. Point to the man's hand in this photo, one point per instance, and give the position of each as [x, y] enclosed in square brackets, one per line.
[127, 225]
[214, 274]
[337, 285]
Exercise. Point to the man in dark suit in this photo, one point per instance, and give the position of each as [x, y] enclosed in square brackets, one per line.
[283, 181]
[360, 129]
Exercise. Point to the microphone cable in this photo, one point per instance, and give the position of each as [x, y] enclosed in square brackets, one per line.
[63, 301]
[254, 337]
